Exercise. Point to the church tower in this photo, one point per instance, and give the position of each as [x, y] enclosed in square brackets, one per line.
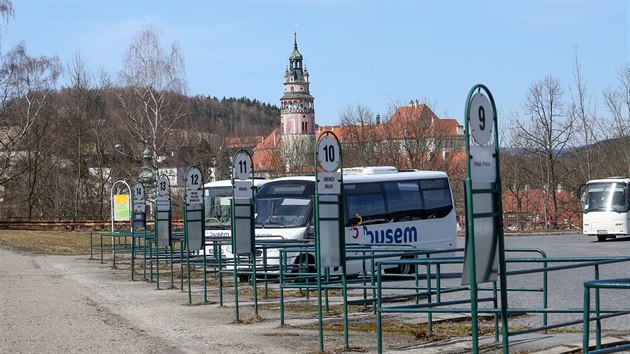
[297, 114]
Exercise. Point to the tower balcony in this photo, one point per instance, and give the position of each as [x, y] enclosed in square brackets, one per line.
[297, 110]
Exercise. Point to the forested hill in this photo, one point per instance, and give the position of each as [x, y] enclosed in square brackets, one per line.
[205, 114]
[238, 116]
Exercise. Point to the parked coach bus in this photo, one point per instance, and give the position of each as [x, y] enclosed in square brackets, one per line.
[605, 203]
[217, 196]
[382, 206]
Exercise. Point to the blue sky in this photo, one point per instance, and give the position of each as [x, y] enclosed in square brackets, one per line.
[373, 53]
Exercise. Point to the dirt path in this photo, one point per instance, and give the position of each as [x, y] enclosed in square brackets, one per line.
[72, 304]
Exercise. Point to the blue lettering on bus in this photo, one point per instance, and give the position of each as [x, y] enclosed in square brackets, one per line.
[397, 235]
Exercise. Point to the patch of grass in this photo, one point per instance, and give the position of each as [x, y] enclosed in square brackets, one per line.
[311, 307]
[441, 330]
[252, 320]
[247, 290]
[47, 242]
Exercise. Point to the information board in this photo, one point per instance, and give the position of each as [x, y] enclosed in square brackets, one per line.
[163, 212]
[121, 207]
[243, 204]
[194, 218]
[328, 221]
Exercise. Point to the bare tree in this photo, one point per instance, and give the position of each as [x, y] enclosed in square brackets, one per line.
[25, 85]
[414, 137]
[6, 11]
[547, 134]
[37, 158]
[361, 136]
[516, 174]
[583, 111]
[88, 144]
[153, 80]
[297, 153]
[617, 101]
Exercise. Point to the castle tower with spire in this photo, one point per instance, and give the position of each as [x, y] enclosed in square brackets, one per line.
[297, 113]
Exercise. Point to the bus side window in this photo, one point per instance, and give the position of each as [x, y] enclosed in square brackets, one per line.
[365, 203]
[370, 206]
[618, 201]
[403, 200]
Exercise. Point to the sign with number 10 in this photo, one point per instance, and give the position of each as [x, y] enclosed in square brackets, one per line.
[328, 153]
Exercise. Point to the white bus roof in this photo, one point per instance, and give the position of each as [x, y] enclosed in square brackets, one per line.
[228, 183]
[371, 170]
[610, 179]
[374, 174]
[392, 176]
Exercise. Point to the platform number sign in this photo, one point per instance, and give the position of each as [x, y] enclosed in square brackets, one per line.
[163, 200]
[193, 181]
[194, 184]
[328, 154]
[481, 119]
[138, 198]
[138, 192]
[242, 166]
[163, 185]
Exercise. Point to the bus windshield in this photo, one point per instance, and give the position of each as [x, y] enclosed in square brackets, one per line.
[605, 197]
[217, 206]
[284, 205]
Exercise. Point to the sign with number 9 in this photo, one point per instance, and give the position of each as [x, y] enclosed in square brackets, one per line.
[481, 118]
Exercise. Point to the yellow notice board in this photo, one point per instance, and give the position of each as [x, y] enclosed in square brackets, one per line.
[121, 207]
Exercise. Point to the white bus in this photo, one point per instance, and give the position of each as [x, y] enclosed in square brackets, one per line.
[217, 196]
[382, 206]
[606, 206]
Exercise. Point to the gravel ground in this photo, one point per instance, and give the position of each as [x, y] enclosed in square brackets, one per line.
[53, 304]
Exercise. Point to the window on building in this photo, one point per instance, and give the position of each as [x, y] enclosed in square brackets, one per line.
[304, 127]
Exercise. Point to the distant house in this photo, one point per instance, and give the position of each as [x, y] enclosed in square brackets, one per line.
[414, 134]
[175, 165]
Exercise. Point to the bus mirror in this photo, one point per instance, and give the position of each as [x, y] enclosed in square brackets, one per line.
[579, 193]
